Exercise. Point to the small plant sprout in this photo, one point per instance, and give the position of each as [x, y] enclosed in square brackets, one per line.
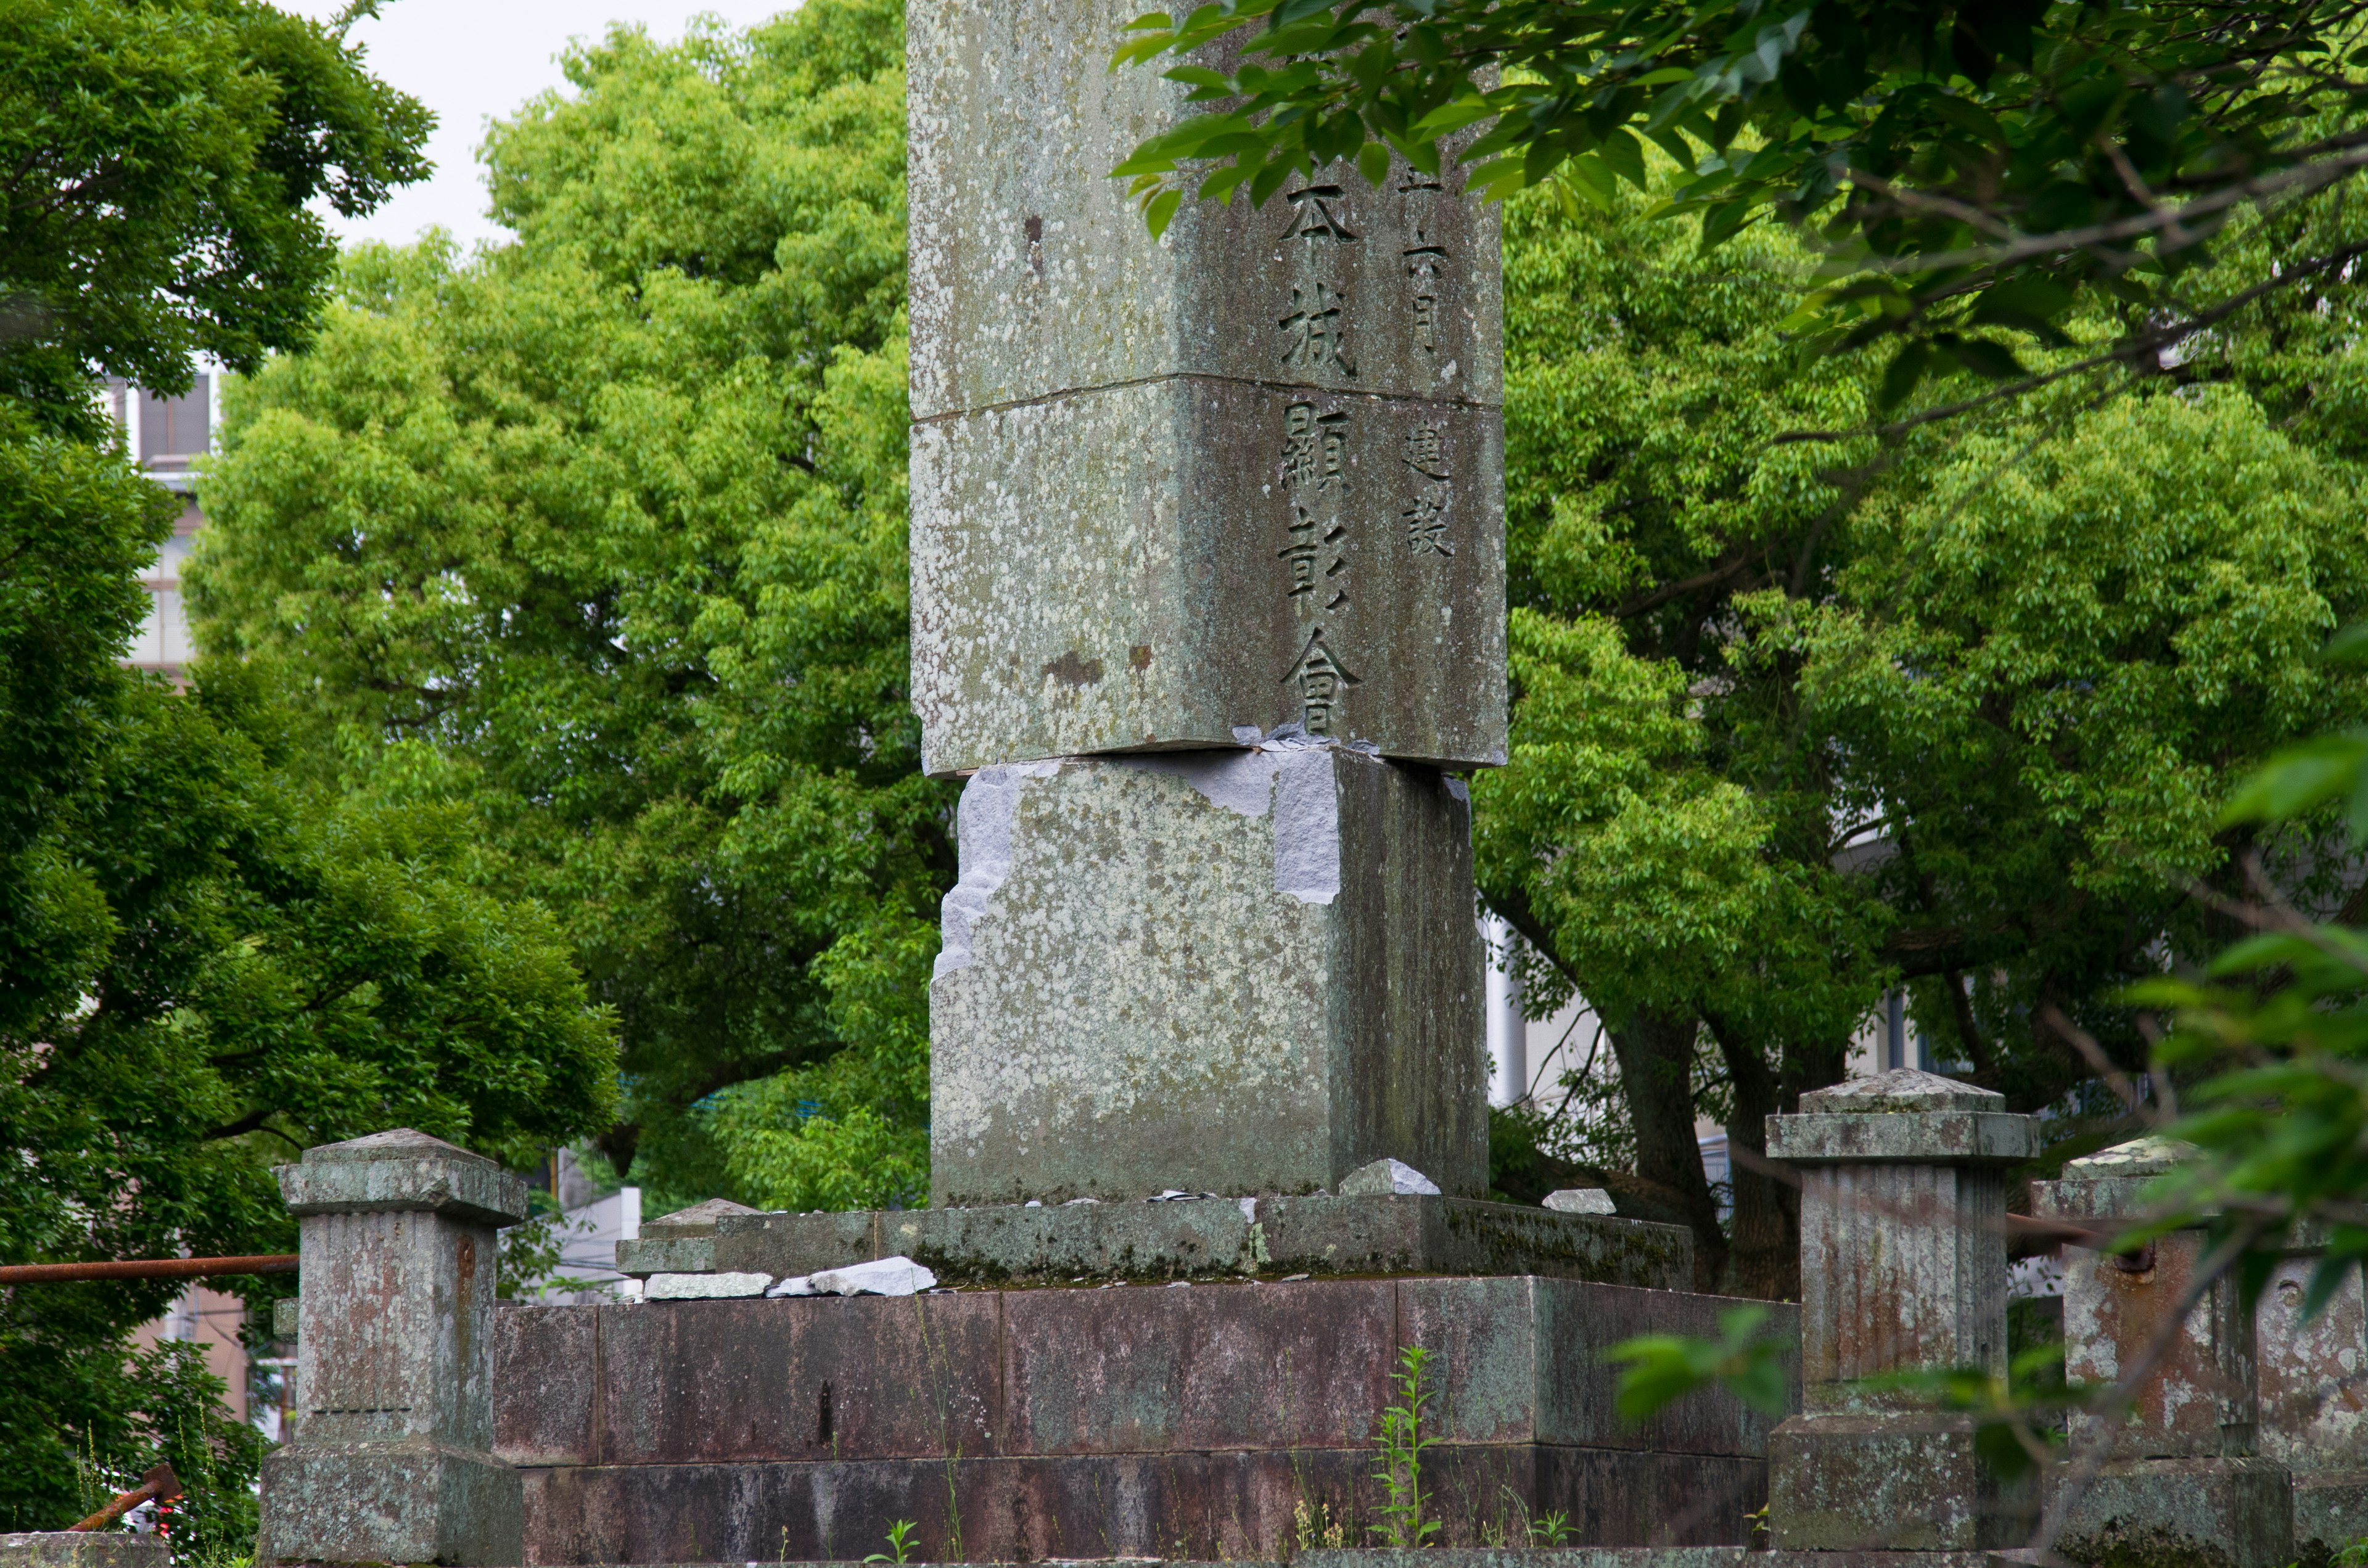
[1403, 1441]
[900, 1542]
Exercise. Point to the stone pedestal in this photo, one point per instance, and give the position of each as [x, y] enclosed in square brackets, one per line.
[83, 1549]
[2184, 1475]
[391, 1460]
[1245, 973]
[1247, 475]
[1903, 1267]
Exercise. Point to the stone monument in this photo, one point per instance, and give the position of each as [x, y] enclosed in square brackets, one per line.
[1208, 603]
[2182, 1478]
[1903, 1269]
[2313, 1377]
[391, 1460]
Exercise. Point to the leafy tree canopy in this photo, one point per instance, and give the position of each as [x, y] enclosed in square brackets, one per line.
[208, 960]
[160, 159]
[604, 530]
[1955, 707]
[1970, 175]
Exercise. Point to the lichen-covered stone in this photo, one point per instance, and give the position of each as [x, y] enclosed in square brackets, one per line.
[1246, 973]
[388, 1461]
[2313, 1383]
[83, 1549]
[1168, 564]
[2234, 1513]
[1247, 475]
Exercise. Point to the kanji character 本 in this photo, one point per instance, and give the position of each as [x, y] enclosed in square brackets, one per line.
[1313, 329]
[1313, 446]
[1312, 218]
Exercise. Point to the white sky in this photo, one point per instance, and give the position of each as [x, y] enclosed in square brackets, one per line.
[470, 60]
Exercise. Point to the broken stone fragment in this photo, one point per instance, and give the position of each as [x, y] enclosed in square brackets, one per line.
[1581, 1200]
[1384, 1176]
[881, 1276]
[703, 1286]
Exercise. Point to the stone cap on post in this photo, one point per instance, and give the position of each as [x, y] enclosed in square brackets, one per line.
[699, 1219]
[402, 1170]
[1903, 1117]
[2111, 1183]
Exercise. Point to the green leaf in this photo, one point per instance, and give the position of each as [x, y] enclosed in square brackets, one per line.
[1373, 162]
[1161, 210]
[1621, 154]
[1901, 376]
[1993, 361]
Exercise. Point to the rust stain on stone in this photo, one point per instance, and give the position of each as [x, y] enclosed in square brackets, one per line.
[1073, 671]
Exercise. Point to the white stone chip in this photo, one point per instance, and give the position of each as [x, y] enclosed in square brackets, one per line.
[703, 1286]
[1581, 1200]
[898, 1276]
[1387, 1176]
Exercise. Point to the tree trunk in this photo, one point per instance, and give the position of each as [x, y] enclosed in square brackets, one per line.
[1656, 1053]
[1764, 1259]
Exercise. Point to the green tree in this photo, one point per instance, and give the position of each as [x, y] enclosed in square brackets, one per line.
[605, 527]
[1969, 173]
[160, 162]
[1798, 721]
[207, 961]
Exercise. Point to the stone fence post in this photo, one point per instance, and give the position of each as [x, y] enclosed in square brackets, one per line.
[1903, 1269]
[2182, 1474]
[2314, 1400]
[391, 1458]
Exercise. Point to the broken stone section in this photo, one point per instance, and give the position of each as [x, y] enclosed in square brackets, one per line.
[83, 1549]
[1903, 1269]
[391, 1457]
[2184, 1479]
[1245, 973]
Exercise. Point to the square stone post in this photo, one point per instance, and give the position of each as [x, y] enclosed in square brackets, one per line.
[2313, 1379]
[1903, 1269]
[2182, 1479]
[391, 1460]
[1208, 601]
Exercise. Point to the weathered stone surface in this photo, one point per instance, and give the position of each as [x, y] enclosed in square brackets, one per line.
[1903, 1269]
[647, 1254]
[1118, 437]
[83, 1549]
[2234, 1513]
[2313, 1375]
[2201, 1400]
[2330, 1512]
[699, 1219]
[1895, 1481]
[1032, 275]
[1150, 567]
[402, 1171]
[1057, 1371]
[1242, 973]
[1271, 1236]
[388, 1461]
[1199, 1503]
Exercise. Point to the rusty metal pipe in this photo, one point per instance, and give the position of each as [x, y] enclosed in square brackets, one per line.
[146, 1269]
[160, 1484]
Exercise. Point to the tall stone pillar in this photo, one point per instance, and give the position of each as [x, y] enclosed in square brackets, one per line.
[1903, 1269]
[2314, 1400]
[1208, 598]
[2184, 1479]
[391, 1458]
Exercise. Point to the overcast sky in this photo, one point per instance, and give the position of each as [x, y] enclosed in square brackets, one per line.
[474, 59]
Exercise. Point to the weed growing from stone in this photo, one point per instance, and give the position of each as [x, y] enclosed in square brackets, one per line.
[900, 1542]
[1403, 1441]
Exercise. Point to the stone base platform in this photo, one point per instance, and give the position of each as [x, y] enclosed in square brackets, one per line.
[1229, 1421]
[1367, 1234]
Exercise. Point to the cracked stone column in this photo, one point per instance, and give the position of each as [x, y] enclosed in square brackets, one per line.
[1208, 597]
[1903, 1269]
[2183, 1478]
[391, 1460]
